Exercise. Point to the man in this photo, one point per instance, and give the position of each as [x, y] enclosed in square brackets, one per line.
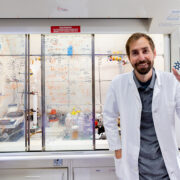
[146, 101]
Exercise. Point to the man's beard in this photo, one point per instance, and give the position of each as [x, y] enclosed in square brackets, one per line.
[144, 70]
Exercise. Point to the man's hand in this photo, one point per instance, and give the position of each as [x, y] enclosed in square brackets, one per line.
[177, 75]
[118, 154]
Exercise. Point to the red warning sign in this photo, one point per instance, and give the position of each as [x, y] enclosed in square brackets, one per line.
[65, 29]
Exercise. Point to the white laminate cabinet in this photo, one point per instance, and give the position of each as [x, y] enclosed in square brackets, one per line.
[95, 173]
[34, 174]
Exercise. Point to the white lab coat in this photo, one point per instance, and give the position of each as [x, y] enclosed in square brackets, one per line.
[123, 99]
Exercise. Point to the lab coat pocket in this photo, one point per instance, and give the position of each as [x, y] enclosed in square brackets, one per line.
[118, 167]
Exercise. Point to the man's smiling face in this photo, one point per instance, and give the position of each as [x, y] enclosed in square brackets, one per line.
[141, 56]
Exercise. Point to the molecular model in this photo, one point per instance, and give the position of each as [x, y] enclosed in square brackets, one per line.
[177, 65]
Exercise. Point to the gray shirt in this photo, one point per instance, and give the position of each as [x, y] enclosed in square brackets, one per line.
[151, 163]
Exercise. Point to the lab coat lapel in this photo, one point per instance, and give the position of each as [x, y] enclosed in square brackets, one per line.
[134, 90]
[156, 93]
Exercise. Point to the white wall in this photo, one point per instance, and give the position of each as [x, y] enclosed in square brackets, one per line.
[163, 16]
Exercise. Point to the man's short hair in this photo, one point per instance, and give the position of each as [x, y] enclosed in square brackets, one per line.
[134, 37]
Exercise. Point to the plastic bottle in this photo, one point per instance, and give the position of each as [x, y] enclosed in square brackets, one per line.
[68, 126]
[75, 127]
[81, 125]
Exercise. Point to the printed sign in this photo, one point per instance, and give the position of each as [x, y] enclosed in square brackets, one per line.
[65, 29]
